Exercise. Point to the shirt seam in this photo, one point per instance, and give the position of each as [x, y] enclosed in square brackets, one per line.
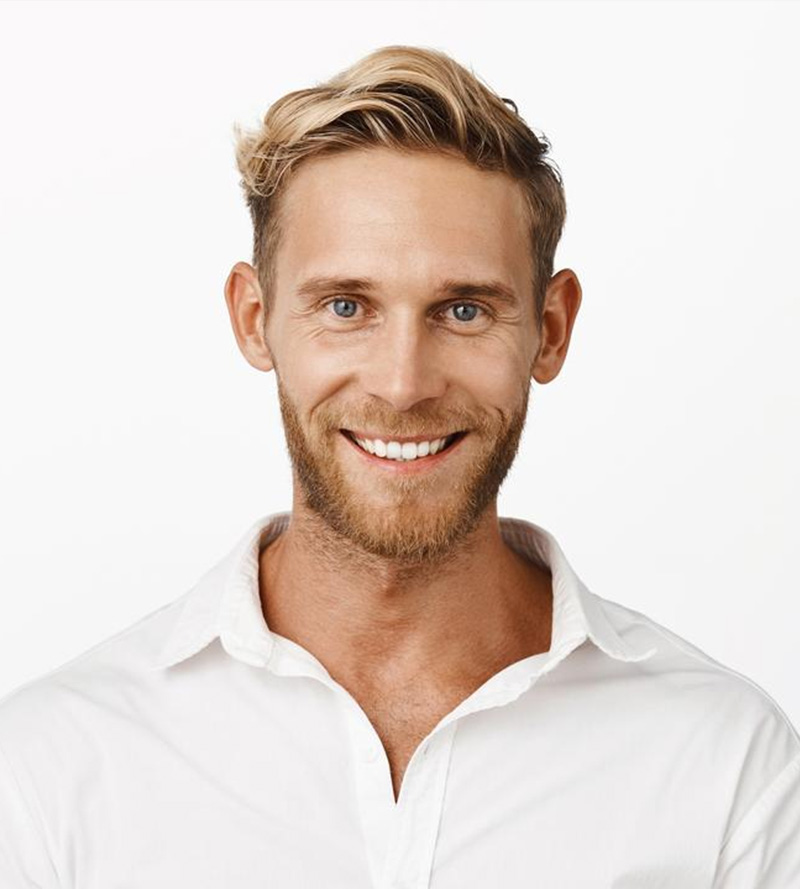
[708, 660]
[752, 819]
[40, 835]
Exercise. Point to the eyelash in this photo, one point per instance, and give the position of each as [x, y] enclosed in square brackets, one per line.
[486, 311]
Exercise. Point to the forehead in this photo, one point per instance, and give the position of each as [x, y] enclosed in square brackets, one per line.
[387, 215]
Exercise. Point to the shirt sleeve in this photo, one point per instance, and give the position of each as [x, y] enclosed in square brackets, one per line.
[24, 862]
[764, 850]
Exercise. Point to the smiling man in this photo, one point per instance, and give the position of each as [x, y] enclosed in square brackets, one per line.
[390, 685]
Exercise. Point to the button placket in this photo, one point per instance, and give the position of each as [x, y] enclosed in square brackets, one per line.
[373, 786]
[410, 856]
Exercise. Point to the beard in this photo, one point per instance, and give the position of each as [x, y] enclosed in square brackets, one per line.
[424, 518]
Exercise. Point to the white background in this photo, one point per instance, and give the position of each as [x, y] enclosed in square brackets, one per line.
[139, 445]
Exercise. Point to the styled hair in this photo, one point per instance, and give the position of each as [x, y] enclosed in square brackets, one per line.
[407, 98]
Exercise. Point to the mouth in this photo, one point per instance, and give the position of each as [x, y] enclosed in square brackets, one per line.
[404, 455]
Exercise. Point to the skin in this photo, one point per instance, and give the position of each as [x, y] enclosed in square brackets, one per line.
[401, 584]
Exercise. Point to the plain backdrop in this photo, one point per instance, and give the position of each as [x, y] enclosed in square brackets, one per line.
[139, 445]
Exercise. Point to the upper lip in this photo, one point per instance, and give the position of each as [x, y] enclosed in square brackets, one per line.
[400, 439]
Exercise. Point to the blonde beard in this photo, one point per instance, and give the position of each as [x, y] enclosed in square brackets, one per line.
[408, 525]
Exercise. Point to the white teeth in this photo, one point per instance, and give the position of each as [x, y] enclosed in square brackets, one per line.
[409, 450]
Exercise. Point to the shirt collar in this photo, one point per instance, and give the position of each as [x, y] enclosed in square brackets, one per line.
[225, 603]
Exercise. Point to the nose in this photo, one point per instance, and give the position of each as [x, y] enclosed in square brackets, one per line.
[406, 363]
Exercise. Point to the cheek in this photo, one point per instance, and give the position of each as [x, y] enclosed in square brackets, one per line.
[500, 382]
[312, 376]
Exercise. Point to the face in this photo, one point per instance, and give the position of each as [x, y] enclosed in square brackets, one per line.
[403, 308]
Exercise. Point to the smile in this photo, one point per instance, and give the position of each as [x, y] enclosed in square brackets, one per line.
[403, 452]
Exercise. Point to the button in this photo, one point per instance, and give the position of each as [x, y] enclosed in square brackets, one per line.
[370, 753]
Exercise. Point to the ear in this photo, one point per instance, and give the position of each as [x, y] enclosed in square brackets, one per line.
[562, 301]
[246, 310]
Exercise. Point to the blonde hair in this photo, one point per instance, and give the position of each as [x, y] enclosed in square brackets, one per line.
[407, 98]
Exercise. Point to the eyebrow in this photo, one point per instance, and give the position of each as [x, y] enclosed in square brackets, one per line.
[494, 290]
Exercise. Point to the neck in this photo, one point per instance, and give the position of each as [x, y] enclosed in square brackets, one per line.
[370, 620]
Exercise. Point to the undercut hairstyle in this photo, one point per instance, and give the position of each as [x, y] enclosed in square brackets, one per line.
[410, 99]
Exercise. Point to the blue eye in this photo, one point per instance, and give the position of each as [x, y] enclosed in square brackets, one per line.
[345, 302]
[471, 311]
[345, 308]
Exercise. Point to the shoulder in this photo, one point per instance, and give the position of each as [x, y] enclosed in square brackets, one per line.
[93, 680]
[682, 665]
[710, 711]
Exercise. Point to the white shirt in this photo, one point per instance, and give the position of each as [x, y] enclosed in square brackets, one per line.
[199, 750]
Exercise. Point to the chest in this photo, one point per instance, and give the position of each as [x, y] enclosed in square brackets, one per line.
[403, 717]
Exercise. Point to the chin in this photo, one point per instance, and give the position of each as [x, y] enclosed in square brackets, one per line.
[410, 531]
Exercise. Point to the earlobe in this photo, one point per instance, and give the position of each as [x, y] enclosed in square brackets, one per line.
[246, 312]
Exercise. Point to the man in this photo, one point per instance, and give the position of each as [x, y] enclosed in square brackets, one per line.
[390, 685]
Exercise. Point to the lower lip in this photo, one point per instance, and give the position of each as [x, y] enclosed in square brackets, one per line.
[406, 467]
